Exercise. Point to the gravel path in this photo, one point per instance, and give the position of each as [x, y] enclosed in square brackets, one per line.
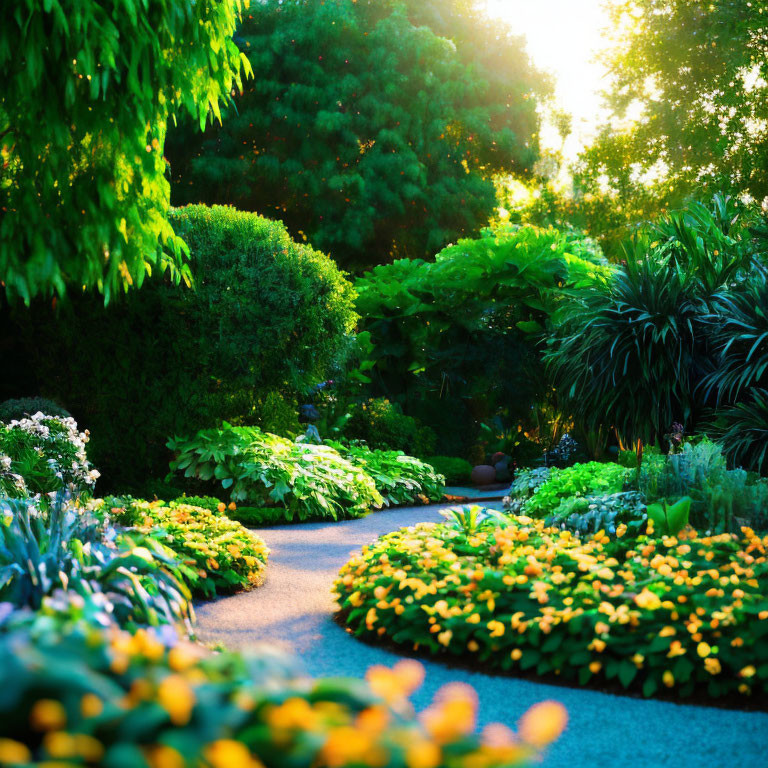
[293, 611]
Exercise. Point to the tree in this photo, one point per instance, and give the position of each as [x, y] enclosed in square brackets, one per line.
[372, 128]
[695, 73]
[88, 89]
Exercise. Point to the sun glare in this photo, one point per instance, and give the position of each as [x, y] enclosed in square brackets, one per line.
[564, 37]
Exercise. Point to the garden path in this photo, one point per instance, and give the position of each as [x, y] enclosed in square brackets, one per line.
[293, 611]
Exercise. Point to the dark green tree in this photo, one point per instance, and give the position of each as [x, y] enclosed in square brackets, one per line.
[87, 90]
[372, 128]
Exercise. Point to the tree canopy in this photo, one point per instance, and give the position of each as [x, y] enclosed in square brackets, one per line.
[88, 88]
[696, 74]
[372, 128]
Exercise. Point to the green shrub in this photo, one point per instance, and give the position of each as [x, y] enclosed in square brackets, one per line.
[42, 454]
[266, 318]
[742, 430]
[587, 515]
[722, 499]
[455, 470]
[79, 694]
[17, 409]
[252, 517]
[66, 549]
[383, 425]
[689, 614]
[400, 479]
[217, 555]
[590, 479]
[307, 481]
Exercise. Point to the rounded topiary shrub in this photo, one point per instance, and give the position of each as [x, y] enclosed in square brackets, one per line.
[19, 408]
[688, 614]
[265, 317]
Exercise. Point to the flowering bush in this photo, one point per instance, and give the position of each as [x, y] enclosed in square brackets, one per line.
[683, 613]
[308, 481]
[217, 554]
[400, 479]
[76, 695]
[41, 454]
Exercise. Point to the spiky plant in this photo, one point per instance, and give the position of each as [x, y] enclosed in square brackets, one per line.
[742, 429]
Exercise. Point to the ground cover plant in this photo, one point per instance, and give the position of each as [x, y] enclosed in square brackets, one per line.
[307, 481]
[216, 555]
[265, 318]
[681, 613]
[75, 693]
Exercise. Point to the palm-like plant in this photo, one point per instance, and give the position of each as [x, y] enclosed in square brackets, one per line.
[742, 429]
[625, 352]
[65, 547]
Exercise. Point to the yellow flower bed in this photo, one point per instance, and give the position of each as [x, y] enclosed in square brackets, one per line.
[217, 554]
[685, 613]
[76, 695]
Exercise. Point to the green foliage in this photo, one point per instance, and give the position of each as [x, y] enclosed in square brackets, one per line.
[722, 499]
[268, 317]
[630, 352]
[217, 555]
[17, 409]
[382, 425]
[616, 514]
[742, 429]
[87, 94]
[307, 481]
[696, 72]
[670, 519]
[455, 470]
[366, 128]
[42, 454]
[215, 709]
[66, 549]
[400, 479]
[526, 596]
[456, 338]
[590, 479]
[473, 518]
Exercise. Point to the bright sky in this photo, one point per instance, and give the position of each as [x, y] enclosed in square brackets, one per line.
[563, 38]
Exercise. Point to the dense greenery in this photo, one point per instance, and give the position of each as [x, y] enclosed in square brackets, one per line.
[455, 470]
[88, 90]
[652, 343]
[308, 481]
[400, 479]
[266, 318]
[696, 72]
[648, 614]
[372, 127]
[454, 339]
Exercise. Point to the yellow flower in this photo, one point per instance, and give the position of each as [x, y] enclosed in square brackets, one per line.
[176, 696]
[422, 754]
[595, 667]
[648, 600]
[444, 638]
[703, 649]
[226, 753]
[543, 723]
[90, 706]
[748, 671]
[668, 678]
[496, 627]
[48, 715]
[14, 752]
[516, 654]
[621, 530]
[712, 665]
